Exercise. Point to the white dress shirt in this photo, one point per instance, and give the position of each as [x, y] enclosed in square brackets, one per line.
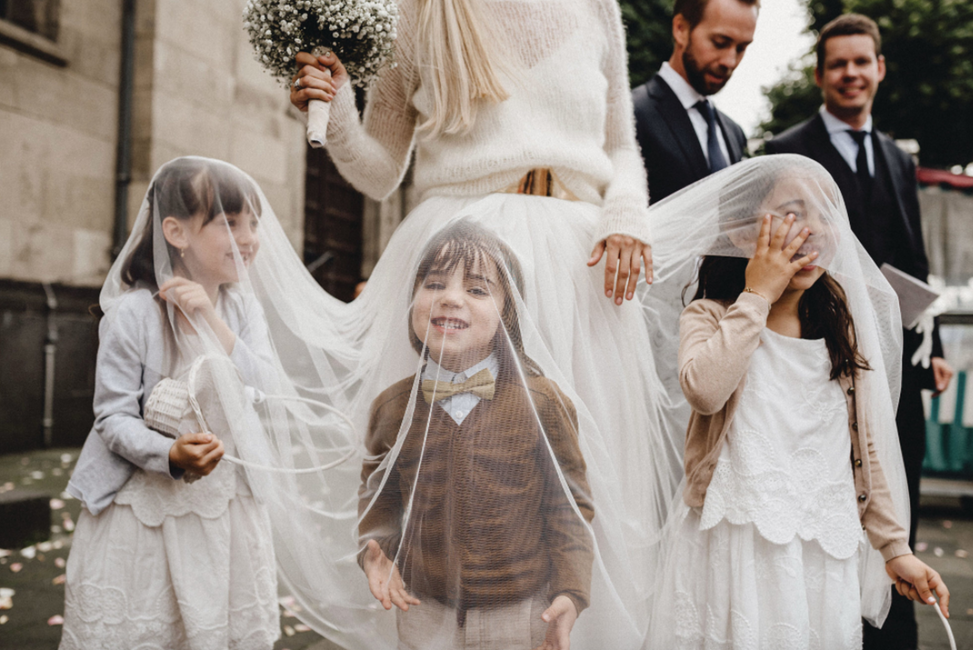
[459, 406]
[843, 141]
[688, 97]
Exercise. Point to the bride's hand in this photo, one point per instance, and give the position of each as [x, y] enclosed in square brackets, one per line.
[316, 78]
[623, 263]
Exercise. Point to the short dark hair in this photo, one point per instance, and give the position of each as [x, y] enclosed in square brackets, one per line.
[847, 25]
[693, 10]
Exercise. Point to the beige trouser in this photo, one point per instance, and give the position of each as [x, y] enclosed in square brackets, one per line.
[434, 626]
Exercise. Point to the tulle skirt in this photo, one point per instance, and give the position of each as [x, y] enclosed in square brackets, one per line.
[192, 583]
[728, 588]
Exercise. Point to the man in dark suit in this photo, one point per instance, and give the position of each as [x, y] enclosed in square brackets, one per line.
[682, 135]
[878, 183]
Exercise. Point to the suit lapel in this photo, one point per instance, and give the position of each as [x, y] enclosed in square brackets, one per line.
[893, 163]
[676, 118]
[822, 150]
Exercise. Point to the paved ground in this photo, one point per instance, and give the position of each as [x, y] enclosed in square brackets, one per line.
[32, 588]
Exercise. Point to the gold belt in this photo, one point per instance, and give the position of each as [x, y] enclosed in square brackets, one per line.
[542, 182]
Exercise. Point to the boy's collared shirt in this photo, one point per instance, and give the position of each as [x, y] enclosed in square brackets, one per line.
[459, 406]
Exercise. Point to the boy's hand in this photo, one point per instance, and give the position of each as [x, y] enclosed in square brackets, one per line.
[560, 618]
[196, 452]
[771, 268]
[384, 580]
[915, 580]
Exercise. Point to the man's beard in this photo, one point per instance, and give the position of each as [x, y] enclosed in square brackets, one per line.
[696, 76]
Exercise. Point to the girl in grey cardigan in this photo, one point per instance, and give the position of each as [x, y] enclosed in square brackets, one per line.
[158, 561]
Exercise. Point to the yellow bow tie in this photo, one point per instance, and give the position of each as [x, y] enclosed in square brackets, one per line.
[481, 384]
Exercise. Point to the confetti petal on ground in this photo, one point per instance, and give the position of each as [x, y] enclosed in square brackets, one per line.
[938, 552]
[16, 567]
[8, 485]
[45, 547]
[37, 475]
[68, 525]
[960, 553]
[59, 562]
[5, 552]
[287, 601]
[6, 603]
[289, 614]
[29, 552]
[921, 546]
[57, 471]
[66, 458]
[59, 580]
[7, 592]
[289, 631]
[3, 619]
[947, 524]
[57, 619]
[58, 544]
[56, 530]
[66, 496]
[56, 504]
[301, 628]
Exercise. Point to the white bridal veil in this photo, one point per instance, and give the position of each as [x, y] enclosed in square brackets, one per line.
[482, 424]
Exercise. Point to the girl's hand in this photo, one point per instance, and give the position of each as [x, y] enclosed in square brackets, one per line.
[384, 580]
[316, 78]
[196, 452]
[190, 297]
[916, 580]
[560, 618]
[625, 256]
[773, 265]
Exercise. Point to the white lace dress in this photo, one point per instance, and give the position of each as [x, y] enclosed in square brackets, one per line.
[172, 565]
[771, 559]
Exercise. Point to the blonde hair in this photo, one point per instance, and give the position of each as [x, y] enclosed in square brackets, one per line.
[453, 38]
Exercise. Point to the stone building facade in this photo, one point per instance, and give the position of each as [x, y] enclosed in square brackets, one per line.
[94, 96]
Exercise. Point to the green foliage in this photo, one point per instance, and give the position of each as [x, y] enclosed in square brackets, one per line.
[648, 24]
[927, 94]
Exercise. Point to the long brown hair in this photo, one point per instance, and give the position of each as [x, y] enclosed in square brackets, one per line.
[823, 309]
[469, 244]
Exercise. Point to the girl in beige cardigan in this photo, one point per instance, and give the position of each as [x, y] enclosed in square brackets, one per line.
[765, 550]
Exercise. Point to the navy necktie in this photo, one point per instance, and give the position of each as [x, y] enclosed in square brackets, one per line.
[716, 159]
[861, 162]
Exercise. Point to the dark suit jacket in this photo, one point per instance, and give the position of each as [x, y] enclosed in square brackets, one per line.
[810, 138]
[672, 153]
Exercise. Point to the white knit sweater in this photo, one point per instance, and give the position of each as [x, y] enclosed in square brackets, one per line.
[569, 109]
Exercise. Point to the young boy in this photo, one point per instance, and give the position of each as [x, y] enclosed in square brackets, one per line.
[468, 526]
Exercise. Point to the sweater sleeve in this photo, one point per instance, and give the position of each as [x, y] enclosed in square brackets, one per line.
[119, 389]
[374, 156]
[885, 533]
[627, 195]
[714, 353]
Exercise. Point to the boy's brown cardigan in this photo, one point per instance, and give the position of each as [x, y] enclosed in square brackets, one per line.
[716, 343]
[490, 523]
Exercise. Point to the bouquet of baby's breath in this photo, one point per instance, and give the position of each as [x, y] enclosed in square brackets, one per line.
[360, 32]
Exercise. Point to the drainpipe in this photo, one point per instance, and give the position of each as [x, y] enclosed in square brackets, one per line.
[123, 159]
[50, 351]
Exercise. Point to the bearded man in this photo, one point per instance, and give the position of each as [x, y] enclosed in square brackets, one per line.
[682, 135]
